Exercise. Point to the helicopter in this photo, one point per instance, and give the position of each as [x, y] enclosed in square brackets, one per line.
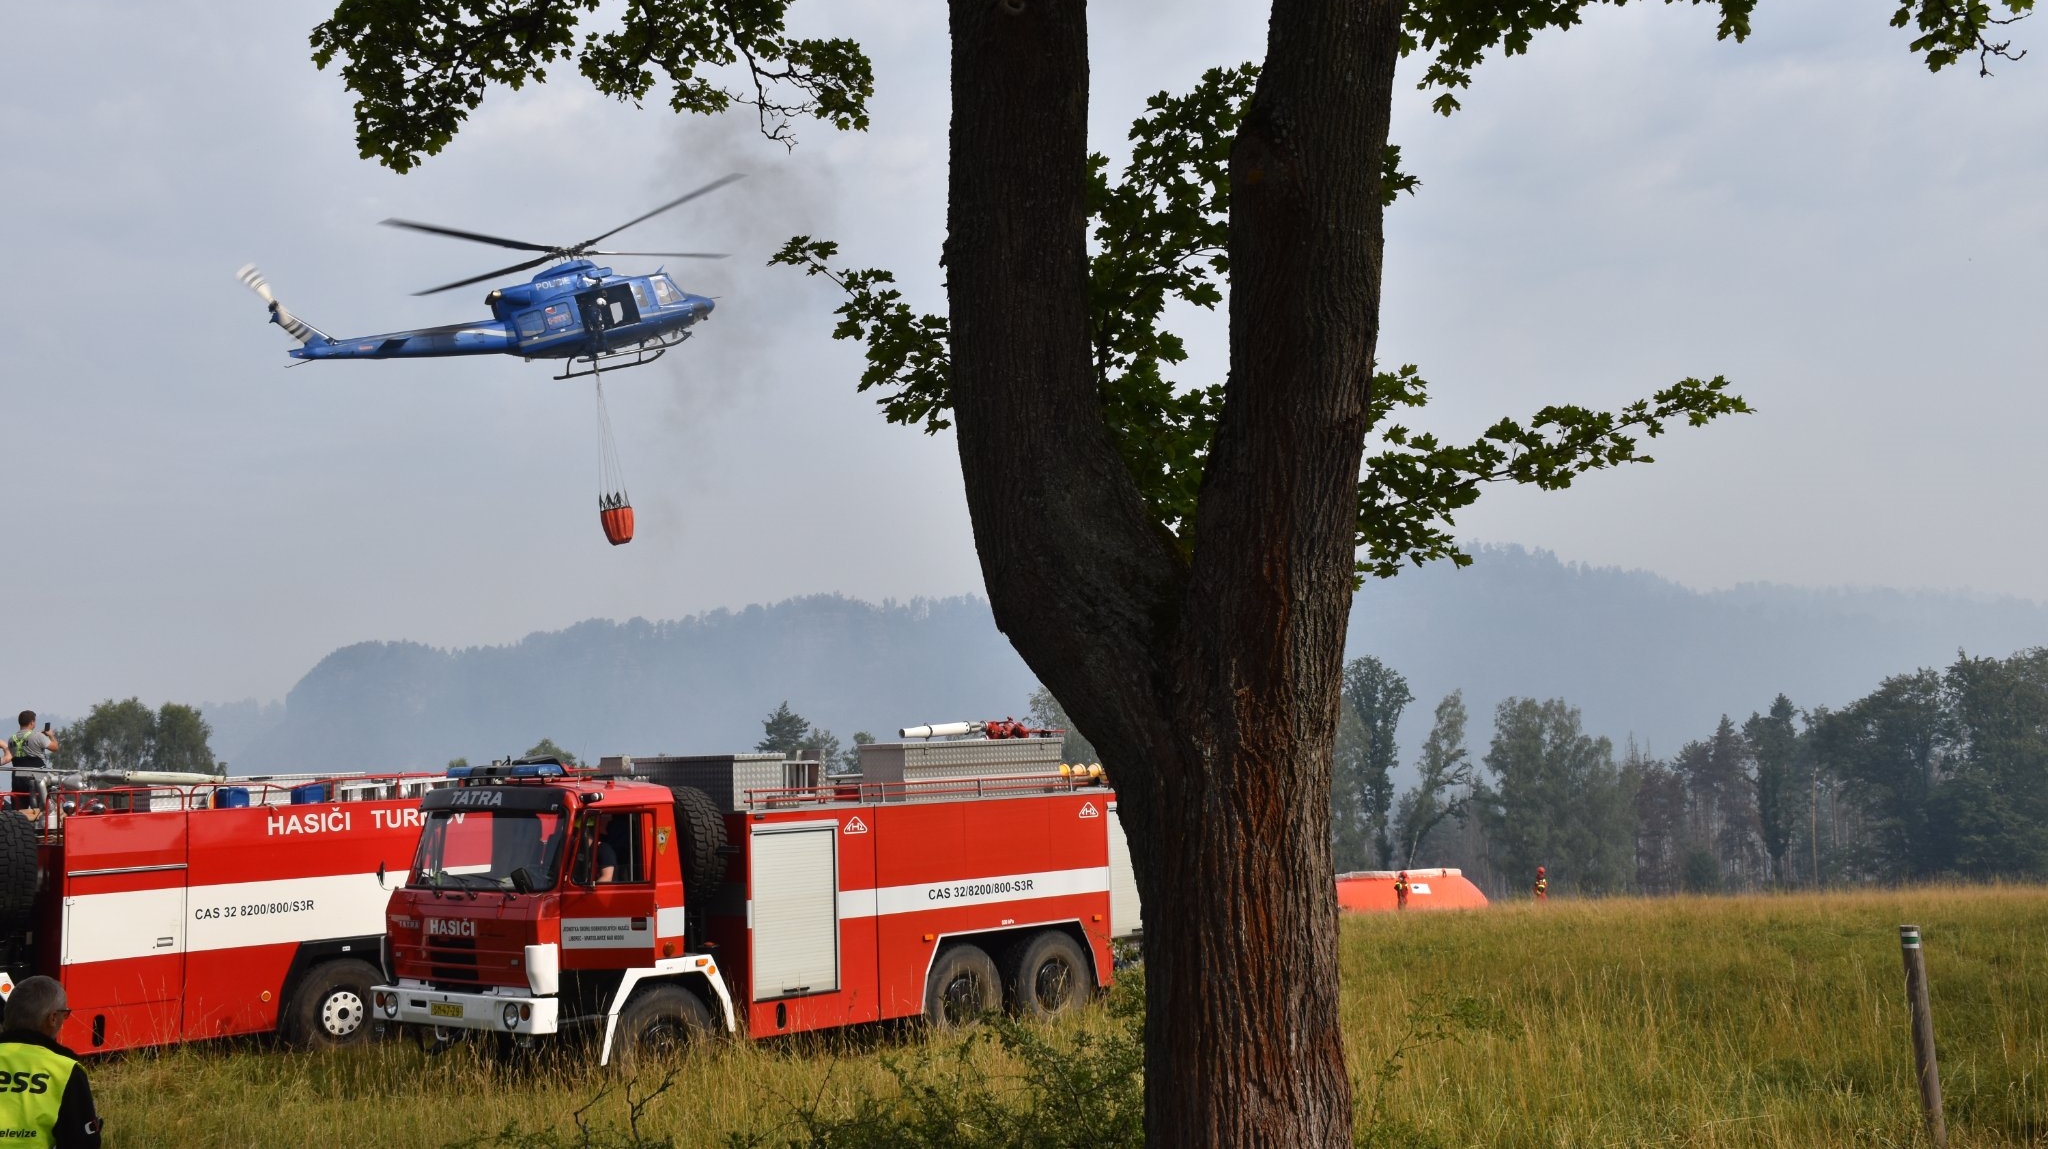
[574, 310]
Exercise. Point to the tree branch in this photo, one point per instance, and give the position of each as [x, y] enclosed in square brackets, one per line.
[419, 67]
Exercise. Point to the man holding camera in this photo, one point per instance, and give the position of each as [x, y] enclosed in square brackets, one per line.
[31, 748]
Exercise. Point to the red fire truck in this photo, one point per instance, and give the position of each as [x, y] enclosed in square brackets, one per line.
[179, 907]
[712, 893]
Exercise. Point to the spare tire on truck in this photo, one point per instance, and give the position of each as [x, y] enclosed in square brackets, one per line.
[701, 827]
[20, 876]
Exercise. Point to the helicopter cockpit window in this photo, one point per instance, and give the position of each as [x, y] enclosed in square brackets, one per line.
[665, 290]
[640, 296]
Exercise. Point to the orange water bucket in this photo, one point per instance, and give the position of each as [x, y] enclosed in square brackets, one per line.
[1372, 891]
[618, 523]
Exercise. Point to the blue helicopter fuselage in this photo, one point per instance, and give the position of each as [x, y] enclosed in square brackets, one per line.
[573, 309]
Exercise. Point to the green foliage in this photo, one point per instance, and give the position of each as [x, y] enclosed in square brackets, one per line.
[1949, 29]
[783, 732]
[419, 67]
[789, 734]
[1161, 234]
[546, 748]
[1949, 769]
[1556, 800]
[1887, 747]
[181, 740]
[1361, 779]
[1702, 871]
[1780, 795]
[1444, 769]
[1047, 713]
[1075, 1088]
[850, 762]
[127, 735]
[1457, 34]
[1415, 484]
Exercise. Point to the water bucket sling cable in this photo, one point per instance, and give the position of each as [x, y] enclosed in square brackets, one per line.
[614, 509]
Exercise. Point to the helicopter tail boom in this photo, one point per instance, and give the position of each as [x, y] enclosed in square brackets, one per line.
[484, 337]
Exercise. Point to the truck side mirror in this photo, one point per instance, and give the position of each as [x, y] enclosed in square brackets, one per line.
[380, 875]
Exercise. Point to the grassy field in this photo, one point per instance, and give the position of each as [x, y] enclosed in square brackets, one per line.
[1763, 1021]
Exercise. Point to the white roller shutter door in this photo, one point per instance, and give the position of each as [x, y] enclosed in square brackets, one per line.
[1124, 921]
[795, 910]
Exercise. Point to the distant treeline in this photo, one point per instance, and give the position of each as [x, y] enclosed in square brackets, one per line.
[1934, 774]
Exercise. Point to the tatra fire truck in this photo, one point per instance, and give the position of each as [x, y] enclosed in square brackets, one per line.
[175, 907]
[659, 900]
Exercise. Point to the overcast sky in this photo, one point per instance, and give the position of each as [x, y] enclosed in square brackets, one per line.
[1862, 246]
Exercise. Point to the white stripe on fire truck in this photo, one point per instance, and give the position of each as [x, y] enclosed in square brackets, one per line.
[228, 915]
[972, 892]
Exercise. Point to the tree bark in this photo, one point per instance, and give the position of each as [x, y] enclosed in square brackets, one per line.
[1210, 685]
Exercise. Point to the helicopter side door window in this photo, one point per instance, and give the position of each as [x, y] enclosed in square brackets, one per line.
[608, 307]
[532, 325]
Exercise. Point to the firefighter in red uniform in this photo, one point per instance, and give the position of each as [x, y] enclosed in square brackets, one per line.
[1401, 890]
[47, 1101]
[1542, 887]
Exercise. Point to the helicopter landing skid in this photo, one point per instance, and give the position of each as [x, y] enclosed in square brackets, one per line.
[639, 354]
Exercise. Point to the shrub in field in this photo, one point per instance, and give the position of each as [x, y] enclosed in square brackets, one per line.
[589, 1135]
[1047, 1087]
[1434, 1018]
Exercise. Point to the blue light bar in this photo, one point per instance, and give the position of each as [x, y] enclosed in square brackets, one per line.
[512, 770]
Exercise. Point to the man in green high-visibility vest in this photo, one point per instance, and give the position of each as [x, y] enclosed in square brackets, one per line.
[44, 1098]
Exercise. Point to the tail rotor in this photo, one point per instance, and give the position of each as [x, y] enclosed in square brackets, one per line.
[297, 328]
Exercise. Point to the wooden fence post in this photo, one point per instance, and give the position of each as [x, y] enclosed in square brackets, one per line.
[1923, 1036]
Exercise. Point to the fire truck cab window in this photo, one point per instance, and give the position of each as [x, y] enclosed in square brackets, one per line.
[477, 849]
[611, 849]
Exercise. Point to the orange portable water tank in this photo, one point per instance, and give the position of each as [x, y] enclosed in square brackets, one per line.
[618, 523]
[1372, 891]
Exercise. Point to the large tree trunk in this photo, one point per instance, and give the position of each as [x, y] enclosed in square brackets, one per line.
[1210, 685]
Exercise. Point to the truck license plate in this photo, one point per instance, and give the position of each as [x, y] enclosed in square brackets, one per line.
[445, 1009]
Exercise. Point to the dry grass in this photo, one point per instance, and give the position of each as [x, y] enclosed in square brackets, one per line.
[1763, 1021]
[1759, 1021]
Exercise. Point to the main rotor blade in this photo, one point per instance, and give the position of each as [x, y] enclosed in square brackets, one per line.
[713, 186]
[674, 254]
[472, 236]
[535, 262]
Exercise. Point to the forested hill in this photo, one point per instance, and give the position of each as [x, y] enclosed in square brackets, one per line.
[1644, 656]
[1639, 655]
[698, 685]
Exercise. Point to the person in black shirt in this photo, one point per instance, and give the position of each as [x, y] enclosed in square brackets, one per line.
[596, 861]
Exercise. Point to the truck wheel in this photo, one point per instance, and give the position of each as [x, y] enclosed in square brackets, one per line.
[659, 1022]
[1050, 976]
[702, 829]
[19, 873]
[332, 1006]
[962, 986]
